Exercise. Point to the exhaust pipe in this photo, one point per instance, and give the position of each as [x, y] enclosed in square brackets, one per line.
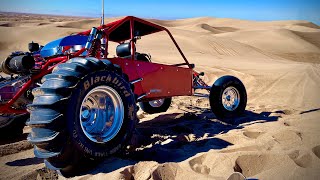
[17, 65]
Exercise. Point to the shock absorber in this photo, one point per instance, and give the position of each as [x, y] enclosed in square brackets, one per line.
[93, 44]
[95, 49]
[91, 37]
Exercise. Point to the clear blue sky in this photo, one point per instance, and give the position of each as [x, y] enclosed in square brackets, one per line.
[173, 9]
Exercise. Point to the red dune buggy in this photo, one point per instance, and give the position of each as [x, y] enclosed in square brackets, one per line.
[84, 108]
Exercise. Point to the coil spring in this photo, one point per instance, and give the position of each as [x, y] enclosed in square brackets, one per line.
[95, 50]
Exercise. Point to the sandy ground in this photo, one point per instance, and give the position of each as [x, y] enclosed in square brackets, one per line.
[276, 138]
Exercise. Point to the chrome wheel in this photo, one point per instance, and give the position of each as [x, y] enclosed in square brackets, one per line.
[101, 114]
[230, 98]
[156, 103]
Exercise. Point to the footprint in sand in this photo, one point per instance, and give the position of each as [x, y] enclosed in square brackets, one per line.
[252, 134]
[166, 171]
[127, 173]
[288, 139]
[250, 165]
[253, 164]
[294, 154]
[143, 169]
[197, 166]
[316, 151]
[302, 159]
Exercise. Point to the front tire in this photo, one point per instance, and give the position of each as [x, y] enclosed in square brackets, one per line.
[228, 98]
[156, 106]
[84, 111]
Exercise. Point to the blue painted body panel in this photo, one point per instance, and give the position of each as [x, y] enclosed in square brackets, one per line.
[55, 47]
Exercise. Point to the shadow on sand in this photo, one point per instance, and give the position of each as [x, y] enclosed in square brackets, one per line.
[171, 138]
[177, 137]
[25, 162]
[8, 140]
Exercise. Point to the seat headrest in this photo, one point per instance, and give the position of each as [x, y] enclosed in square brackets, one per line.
[123, 50]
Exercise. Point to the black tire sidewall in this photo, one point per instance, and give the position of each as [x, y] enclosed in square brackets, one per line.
[216, 97]
[87, 147]
[15, 127]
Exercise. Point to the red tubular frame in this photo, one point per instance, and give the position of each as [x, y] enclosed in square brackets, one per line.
[46, 69]
[106, 29]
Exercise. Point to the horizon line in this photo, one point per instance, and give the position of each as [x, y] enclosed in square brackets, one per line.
[115, 16]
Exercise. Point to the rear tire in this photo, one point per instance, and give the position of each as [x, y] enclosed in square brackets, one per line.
[11, 127]
[156, 106]
[83, 112]
[228, 98]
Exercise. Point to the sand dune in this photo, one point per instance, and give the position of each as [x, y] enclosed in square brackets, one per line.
[280, 40]
[276, 138]
[82, 24]
[308, 24]
[294, 45]
[236, 23]
[217, 30]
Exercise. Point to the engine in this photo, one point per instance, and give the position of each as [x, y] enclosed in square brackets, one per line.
[17, 63]
[22, 65]
[21, 62]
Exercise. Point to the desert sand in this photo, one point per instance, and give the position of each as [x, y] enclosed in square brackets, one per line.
[278, 137]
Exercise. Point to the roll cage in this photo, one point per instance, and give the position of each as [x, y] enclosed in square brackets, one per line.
[130, 27]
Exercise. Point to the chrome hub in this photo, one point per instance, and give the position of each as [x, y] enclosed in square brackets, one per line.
[101, 114]
[230, 98]
[156, 103]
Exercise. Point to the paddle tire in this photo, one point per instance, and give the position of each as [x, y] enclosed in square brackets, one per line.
[12, 126]
[156, 106]
[84, 111]
[228, 98]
